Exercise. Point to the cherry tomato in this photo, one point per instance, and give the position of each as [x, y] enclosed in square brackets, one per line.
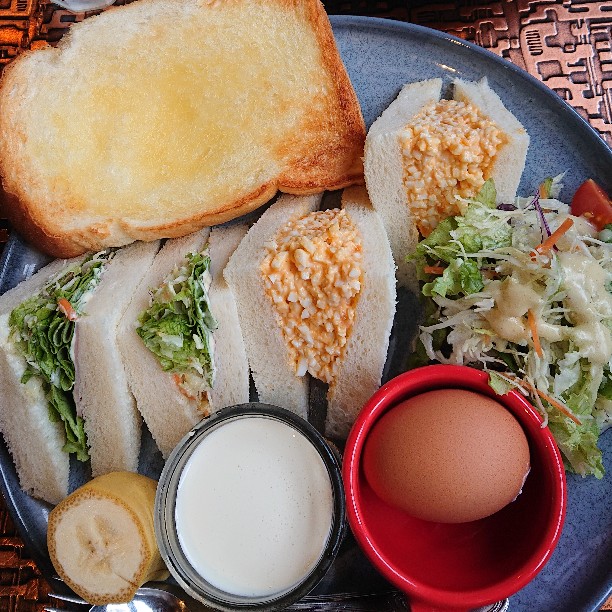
[591, 202]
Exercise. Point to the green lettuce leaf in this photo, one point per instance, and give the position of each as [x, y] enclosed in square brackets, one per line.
[460, 276]
[499, 384]
[605, 389]
[481, 228]
[487, 194]
[178, 325]
[477, 229]
[44, 337]
[578, 444]
[62, 406]
[581, 397]
[437, 246]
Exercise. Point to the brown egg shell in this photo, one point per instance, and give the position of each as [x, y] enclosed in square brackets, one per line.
[448, 455]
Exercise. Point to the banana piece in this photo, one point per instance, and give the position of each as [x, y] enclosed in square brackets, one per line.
[101, 538]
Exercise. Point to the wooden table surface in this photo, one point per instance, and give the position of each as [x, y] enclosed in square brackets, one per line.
[567, 45]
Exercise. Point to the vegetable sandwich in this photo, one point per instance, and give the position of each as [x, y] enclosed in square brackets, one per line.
[180, 338]
[62, 381]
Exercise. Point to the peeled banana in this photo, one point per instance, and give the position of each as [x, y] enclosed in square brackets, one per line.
[101, 538]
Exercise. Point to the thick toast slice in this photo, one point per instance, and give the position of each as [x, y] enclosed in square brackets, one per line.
[161, 117]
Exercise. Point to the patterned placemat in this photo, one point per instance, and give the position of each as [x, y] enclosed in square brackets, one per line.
[567, 45]
[22, 587]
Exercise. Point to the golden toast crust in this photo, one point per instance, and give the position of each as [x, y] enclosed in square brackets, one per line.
[322, 152]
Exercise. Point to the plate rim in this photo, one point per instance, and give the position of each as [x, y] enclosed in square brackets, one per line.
[383, 23]
[337, 21]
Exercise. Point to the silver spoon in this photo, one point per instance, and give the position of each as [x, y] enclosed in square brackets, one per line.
[153, 600]
[165, 597]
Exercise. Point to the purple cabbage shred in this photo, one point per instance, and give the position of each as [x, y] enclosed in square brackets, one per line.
[543, 222]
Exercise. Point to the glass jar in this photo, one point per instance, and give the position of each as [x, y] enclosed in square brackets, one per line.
[202, 518]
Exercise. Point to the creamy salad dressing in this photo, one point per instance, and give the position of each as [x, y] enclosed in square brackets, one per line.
[584, 295]
[254, 507]
[589, 303]
[513, 298]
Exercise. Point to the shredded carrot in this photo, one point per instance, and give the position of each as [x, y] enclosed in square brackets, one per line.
[179, 380]
[534, 333]
[433, 270]
[543, 191]
[551, 400]
[550, 242]
[559, 406]
[65, 307]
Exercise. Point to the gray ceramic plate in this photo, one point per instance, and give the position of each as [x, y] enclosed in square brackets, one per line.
[380, 56]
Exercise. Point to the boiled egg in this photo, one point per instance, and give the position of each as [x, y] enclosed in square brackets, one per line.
[448, 455]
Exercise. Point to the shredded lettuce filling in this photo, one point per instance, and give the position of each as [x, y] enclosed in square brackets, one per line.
[535, 312]
[43, 329]
[178, 326]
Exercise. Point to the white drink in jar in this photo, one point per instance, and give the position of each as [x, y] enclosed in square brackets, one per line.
[254, 507]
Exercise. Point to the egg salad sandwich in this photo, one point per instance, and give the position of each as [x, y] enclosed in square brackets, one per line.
[316, 297]
[183, 114]
[63, 389]
[423, 153]
[180, 338]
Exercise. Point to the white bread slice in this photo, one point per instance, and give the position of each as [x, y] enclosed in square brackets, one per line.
[383, 163]
[168, 413]
[101, 392]
[510, 161]
[231, 385]
[384, 172]
[34, 442]
[359, 373]
[183, 114]
[269, 359]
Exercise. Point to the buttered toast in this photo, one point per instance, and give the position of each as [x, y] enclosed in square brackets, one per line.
[161, 117]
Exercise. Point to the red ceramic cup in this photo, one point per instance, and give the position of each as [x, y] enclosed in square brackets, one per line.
[466, 565]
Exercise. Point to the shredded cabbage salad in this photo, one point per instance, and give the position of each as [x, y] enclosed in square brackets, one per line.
[178, 327]
[524, 291]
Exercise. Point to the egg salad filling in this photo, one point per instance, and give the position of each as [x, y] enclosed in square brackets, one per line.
[448, 149]
[313, 275]
[525, 292]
